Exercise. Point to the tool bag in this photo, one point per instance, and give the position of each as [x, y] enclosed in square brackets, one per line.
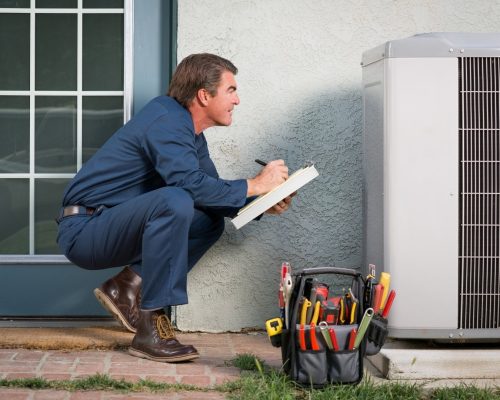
[315, 364]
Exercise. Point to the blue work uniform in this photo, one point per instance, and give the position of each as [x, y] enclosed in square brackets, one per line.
[159, 203]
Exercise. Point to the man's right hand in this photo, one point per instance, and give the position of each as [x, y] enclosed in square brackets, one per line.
[272, 175]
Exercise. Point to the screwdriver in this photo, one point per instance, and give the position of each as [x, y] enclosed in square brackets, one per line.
[388, 305]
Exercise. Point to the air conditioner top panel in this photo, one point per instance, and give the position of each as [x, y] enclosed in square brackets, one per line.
[437, 44]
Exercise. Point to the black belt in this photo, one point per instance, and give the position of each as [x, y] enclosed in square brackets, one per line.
[74, 210]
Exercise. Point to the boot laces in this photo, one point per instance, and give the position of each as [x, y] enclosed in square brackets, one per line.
[164, 327]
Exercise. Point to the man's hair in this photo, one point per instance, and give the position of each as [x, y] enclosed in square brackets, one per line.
[195, 72]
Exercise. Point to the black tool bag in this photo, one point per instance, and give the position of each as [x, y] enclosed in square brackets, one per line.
[321, 366]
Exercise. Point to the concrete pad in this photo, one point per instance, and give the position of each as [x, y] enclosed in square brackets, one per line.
[407, 360]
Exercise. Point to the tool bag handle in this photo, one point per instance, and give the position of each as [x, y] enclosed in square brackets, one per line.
[329, 270]
[300, 278]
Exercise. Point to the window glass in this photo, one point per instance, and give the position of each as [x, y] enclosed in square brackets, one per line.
[14, 3]
[56, 3]
[55, 134]
[48, 195]
[102, 3]
[103, 52]
[14, 134]
[102, 116]
[52, 54]
[14, 214]
[55, 52]
[15, 51]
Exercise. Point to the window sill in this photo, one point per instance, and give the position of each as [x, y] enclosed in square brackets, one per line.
[36, 259]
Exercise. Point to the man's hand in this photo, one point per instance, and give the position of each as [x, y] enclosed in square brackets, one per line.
[282, 206]
[272, 175]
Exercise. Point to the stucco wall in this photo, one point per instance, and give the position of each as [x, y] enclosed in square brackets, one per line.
[300, 90]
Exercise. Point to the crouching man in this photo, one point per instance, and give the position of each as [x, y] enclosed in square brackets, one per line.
[151, 199]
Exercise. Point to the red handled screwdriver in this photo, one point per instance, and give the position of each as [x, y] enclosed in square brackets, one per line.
[388, 305]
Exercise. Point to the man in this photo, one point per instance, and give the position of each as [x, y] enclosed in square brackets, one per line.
[151, 198]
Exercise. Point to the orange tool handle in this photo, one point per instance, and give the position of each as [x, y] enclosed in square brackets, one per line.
[333, 338]
[302, 338]
[314, 342]
[352, 338]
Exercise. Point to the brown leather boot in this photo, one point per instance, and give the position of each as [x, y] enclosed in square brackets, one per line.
[121, 296]
[155, 340]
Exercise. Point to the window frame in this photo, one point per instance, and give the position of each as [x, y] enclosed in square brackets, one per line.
[127, 94]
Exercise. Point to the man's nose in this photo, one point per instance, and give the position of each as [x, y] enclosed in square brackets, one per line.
[236, 99]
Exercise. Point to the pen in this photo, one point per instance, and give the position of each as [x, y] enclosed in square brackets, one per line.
[263, 163]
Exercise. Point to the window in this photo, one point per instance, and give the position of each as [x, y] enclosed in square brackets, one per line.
[65, 79]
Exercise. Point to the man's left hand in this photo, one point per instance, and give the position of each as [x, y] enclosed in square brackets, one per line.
[282, 206]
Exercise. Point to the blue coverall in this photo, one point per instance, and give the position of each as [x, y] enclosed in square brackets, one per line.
[159, 202]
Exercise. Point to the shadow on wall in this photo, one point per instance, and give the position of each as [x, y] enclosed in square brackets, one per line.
[324, 226]
[327, 213]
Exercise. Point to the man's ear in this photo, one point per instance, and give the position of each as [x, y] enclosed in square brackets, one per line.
[202, 95]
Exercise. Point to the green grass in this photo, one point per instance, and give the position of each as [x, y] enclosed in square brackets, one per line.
[247, 362]
[465, 392]
[260, 382]
[265, 383]
[96, 382]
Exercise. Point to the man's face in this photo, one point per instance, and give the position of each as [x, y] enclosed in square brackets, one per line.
[220, 107]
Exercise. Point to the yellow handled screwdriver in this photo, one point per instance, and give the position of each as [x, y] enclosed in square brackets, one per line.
[385, 280]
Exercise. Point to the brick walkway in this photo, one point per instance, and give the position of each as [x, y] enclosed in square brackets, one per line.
[209, 370]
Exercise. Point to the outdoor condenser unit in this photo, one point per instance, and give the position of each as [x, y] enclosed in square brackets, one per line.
[432, 182]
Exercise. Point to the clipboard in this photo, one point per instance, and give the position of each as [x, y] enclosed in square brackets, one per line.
[264, 202]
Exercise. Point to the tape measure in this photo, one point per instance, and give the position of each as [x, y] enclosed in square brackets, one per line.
[274, 326]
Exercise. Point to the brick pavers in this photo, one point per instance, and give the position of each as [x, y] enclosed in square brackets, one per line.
[18, 394]
[211, 369]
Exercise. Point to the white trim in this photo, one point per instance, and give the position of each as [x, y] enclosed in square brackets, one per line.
[61, 10]
[128, 59]
[36, 176]
[61, 93]
[32, 217]
[79, 86]
[31, 223]
[34, 259]
[102, 11]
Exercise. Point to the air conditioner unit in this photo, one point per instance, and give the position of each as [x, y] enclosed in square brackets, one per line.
[432, 182]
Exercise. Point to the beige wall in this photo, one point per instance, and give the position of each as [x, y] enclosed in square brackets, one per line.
[300, 89]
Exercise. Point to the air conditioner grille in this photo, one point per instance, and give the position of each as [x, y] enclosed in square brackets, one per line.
[479, 186]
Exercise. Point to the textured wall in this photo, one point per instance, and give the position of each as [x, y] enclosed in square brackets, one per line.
[300, 90]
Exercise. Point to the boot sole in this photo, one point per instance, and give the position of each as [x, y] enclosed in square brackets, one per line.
[108, 304]
[173, 359]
